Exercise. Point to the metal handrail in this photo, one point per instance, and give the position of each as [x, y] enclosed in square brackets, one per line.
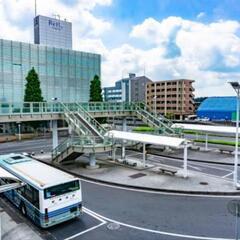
[97, 126]
[81, 141]
[151, 117]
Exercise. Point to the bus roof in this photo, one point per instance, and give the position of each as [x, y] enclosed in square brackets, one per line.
[31, 171]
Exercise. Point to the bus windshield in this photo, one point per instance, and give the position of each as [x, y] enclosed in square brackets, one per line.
[61, 189]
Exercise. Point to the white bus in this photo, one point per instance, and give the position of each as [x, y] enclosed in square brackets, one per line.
[49, 196]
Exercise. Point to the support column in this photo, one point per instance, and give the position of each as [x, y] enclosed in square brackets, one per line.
[123, 151]
[185, 174]
[69, 130]
[144, 155]
[114, 154]
[92, 160]
[124, 124]
[206, 143]
[124, 128]
[54, 133]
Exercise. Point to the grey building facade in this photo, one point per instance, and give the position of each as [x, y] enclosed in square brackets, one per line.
[64, 74]
[131, 89]
[138, 88]
[52, 32]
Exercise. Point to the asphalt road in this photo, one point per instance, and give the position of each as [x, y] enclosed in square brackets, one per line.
[113, 213]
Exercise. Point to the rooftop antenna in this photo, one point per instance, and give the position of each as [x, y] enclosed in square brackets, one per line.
[35, 8]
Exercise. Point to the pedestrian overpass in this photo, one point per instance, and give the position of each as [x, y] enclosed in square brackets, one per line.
[90, 136]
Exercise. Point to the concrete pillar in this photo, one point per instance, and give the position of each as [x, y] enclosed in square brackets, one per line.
[70, 130]
[124, 124]
[92, 160]
[144, 154]
[54, 133]
[114, 154]
[123, 151]
[206, 142]
[124, 128]
[185, 174]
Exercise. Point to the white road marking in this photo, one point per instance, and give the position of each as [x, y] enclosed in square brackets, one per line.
[229, 174]
[89, 229]
[196, 168]
[83, 232]
[156, 231]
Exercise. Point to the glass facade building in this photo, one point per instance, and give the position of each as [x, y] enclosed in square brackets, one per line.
[64, 74]
[52, 32]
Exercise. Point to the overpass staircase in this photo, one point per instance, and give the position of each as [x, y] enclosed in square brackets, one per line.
[90, 135]
[159, 122]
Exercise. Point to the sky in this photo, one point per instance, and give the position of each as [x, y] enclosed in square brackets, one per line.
[163, 39]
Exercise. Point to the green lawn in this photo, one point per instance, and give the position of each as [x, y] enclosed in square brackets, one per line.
[221, 142]
[143, 129]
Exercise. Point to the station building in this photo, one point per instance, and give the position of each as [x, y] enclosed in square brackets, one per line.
[218, 108]
[64, 74]
[52, 32]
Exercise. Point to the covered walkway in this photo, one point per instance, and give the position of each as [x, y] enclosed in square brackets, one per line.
[207, 129]
[172, 142]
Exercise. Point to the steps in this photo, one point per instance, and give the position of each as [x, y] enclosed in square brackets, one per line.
[163, 124]
[90, 137]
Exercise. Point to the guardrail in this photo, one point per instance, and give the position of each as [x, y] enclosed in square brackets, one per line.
[56, 107]
[82, 142]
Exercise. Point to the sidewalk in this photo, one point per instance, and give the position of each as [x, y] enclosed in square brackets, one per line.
[150, 179]
[12, 230]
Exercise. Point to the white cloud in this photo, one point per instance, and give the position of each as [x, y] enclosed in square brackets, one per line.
[208, 53]
[201, 15]
[178, 48]
[17, 17]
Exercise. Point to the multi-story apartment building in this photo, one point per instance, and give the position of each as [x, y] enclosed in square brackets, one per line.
[173, 98]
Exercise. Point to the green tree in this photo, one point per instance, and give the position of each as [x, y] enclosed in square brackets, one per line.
[33, 92]
[96, 90]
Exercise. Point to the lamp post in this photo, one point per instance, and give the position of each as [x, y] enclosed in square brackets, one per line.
[19, 131]
[236, 87]
[155, 105]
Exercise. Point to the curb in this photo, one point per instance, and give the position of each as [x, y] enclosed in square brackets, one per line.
[184, 192]
[196, 160]
[190, 159]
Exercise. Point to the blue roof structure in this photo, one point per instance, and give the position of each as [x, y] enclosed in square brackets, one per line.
[218, 108]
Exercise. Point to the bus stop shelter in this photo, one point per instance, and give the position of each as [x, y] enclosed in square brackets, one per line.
[207, 129]
[172, 142]
[13, 182]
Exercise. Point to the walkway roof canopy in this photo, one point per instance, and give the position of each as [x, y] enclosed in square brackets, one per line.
[6, 174]
[148, 138]
[206, 128]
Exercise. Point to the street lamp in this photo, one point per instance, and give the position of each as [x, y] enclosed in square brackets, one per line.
[236, 87]
[155, 99]
[155, 105]
[19, 131]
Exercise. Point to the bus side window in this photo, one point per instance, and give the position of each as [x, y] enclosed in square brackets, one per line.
[31, 194]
